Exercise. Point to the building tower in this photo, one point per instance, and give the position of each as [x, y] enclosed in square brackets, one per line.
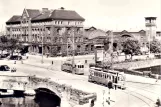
[150, 24]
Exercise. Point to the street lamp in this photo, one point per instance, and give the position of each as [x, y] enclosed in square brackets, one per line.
[73, 50]
[42, 43]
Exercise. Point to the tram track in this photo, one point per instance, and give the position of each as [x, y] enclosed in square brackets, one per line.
[141, 96]
[142, 88]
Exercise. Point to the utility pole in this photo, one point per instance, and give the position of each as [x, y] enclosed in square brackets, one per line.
[67, 46]
[43, 33]
[111, 49]
[73, 33]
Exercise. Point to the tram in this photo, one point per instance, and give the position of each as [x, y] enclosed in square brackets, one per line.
[78, 67]
[99, 76]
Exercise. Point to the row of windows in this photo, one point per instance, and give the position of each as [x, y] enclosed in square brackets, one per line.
[80, 66]
[59, 23]
[59, 31]
[98, 74]
[69, 22]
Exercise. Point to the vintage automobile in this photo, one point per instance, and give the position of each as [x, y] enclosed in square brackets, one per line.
[15, 57]
[6, 68]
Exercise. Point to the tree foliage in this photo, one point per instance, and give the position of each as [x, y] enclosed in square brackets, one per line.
[155, 46]
[131, 46]
[9, 44]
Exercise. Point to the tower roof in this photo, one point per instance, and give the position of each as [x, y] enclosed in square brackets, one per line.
[150, 18]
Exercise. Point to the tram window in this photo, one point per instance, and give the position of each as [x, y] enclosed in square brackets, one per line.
[96, 74]
[82, 66]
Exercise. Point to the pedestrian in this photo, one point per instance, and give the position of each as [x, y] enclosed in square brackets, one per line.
[116, 81]
[21, 61]
[14, 62]
[52, 62]
[92, 103]
[158, 103]
[157, 77]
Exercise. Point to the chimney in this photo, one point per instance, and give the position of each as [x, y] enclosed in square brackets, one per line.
[44, 10]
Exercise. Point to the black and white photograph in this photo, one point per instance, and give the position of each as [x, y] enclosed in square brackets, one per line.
[80, 53]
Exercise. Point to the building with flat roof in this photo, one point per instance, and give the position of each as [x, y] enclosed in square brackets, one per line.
[53, 28]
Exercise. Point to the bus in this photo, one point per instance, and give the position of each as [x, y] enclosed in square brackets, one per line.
[99, 76]
[78, 67]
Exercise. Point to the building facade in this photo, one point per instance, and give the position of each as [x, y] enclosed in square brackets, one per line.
[97, 36]
[52, 29]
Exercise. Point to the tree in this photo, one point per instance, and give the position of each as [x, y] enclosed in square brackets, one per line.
[9, 44]
[155, 46]
[131, 46]
[3, 43]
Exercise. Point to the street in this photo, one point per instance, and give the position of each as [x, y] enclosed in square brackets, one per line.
[137, 94]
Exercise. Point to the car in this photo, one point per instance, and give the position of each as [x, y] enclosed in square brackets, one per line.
[15, 57]
[4, 55]
[6, 68]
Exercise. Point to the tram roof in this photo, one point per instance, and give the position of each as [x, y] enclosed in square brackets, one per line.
[98, 45]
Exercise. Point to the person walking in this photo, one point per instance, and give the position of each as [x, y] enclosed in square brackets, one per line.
[157, 77]
[116, 81]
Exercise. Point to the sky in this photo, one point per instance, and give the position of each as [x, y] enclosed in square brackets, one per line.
[103, 14]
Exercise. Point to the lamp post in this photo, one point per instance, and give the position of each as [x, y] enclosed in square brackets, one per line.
[111, 49]
[42, 43]
[73, 50]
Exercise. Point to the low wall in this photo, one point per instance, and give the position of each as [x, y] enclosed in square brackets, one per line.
[138, 64]
[128, 67]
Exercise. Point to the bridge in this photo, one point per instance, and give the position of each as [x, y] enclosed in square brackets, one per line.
[23, 83]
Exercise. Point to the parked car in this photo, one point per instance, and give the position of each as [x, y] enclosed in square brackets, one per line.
[4, 68]
[4, 55]
[7, 68]
[15, 57]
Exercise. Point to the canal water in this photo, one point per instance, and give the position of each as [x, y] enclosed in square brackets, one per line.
[39, 100]
[153, 69]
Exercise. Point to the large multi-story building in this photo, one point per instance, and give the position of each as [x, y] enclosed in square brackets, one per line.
[52, 28]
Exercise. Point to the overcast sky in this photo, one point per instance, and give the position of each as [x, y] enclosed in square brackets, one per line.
[105, 14]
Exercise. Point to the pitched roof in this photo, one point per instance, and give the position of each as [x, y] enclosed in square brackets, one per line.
[66, 15]
[98, 33]
[61, 14]
[44, 15]
[14, 18]
[33, 12]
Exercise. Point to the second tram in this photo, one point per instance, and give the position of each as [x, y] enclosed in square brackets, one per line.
[68, 67]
